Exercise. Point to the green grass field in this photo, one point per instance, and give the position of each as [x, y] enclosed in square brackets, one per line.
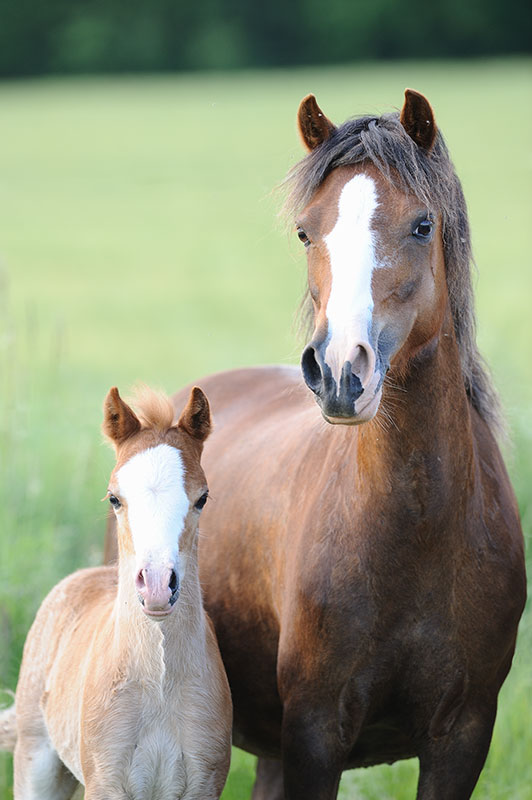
[139, 241]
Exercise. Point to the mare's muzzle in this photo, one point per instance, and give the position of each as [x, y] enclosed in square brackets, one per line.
[335, 399]
[351, 397]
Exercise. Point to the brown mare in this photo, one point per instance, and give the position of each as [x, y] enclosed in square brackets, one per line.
[366, 580]
[121, 687]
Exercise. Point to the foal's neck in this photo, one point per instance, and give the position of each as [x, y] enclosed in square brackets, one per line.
[151, 649]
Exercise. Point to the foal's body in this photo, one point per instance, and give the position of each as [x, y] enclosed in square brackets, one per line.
[130, 706]
[127, 708]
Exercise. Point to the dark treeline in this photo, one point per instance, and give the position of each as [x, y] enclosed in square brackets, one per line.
[62, 36]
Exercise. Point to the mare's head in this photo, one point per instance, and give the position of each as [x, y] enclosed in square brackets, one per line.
[380, 211]
[157, 490]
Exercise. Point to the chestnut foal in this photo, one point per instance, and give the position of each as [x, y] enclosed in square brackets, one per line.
[121, 687]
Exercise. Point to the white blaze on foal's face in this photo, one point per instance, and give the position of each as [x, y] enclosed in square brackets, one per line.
[152, 484]
[351, 249]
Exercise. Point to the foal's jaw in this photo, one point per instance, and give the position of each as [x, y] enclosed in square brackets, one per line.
[157, 491]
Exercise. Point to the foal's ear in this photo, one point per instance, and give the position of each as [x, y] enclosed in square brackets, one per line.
[119, 421]
[314, 127]
[196, 416]
[417, 119]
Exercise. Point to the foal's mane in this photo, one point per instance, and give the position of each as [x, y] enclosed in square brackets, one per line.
[154, 409]
[431, 177]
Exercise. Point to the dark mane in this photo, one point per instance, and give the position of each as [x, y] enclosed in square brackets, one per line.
[431, 178]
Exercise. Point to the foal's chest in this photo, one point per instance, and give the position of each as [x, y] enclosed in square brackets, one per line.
[148, 752]
[157, 766]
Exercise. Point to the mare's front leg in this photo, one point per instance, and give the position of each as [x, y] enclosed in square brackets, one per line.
[268, 781]
[449, 766]
[322, 714]
[314, 752]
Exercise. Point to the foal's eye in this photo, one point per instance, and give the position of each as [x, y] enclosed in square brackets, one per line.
[302, 236]
[423, 231]
[201, 502]
[115, 502]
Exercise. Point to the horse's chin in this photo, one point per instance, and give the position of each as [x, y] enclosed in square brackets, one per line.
[363, 413]
[158, 615]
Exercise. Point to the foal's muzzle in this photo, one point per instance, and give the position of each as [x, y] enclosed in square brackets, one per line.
[157, 590]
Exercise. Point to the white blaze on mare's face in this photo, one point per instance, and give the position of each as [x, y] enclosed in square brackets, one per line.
[351, 249]
[153, 485]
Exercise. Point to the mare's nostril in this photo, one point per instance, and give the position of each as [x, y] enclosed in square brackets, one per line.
[363, 363]
[311, 369]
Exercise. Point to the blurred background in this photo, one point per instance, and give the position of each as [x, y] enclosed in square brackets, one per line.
[74, 36]
[140, 148]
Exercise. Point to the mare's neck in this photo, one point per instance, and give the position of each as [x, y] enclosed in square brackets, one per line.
[425, 419]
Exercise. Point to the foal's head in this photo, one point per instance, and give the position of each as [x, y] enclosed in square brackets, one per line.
[157, 490]
[376, 267]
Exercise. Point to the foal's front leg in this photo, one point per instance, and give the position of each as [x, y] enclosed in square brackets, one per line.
[39, 772]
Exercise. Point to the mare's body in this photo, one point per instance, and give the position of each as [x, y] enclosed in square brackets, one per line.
[366, 577]
[350, 600]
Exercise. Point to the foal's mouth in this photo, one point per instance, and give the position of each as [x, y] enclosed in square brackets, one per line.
[158, 614]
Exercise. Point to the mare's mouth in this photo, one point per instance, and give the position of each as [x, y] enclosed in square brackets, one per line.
[364, 410]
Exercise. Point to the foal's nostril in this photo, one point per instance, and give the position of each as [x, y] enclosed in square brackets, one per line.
[173, 582]
[174, 587]
[140, 581]
[311, 369]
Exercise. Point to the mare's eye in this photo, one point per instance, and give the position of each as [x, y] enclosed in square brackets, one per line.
[201, 502]
[115, 502]
[302, 236]
[423, 231]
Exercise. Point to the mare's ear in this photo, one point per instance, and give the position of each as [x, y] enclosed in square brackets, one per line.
[417, 119]
[196, 416]
[314, 127]
[119, 421]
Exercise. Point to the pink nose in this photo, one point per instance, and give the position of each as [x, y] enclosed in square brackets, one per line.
[158, 589]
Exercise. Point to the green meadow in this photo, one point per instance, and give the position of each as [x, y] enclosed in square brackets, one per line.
[140, 241]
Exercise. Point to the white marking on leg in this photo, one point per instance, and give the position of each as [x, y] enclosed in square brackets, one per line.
[153, 485]
[351, 246]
